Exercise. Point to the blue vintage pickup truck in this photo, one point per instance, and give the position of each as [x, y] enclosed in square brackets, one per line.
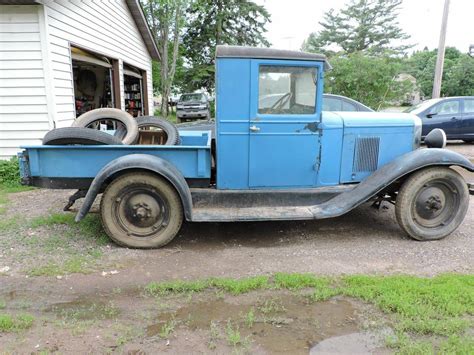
[276, 156]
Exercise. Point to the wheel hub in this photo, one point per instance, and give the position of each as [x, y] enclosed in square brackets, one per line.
[435, 204]
[142, 212]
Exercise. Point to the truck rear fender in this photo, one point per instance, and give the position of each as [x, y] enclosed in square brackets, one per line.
[387, 175]
[143, 162]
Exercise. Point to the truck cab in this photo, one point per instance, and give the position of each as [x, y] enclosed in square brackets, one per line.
[269, 105]
[276, 156]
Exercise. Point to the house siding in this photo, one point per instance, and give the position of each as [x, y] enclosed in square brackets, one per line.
[106, 28]
[24, 115]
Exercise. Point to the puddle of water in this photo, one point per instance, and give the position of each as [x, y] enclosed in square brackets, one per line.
[287, 324]
[84, 310]
[354, 343]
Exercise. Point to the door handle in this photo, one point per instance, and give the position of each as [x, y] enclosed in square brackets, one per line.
[254, 128]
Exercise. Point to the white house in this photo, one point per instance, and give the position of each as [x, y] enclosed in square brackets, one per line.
[61, 58]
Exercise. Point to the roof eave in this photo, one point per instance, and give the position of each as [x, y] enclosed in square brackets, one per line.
[142, 24]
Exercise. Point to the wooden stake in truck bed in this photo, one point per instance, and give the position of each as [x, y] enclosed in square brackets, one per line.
[276, 156]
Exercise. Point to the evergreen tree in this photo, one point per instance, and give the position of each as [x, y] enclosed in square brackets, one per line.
[362, 26]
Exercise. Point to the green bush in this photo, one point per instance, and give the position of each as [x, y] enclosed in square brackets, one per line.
[9, 172]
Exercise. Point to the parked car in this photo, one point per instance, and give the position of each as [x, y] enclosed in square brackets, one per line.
[454, 115]
[289, 161]
[333, 102]
[192, 106]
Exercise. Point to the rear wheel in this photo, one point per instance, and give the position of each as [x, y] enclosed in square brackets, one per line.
[432, 203]
[141, 210]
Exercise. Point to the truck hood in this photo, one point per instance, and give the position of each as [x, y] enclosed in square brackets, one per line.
[372, 119]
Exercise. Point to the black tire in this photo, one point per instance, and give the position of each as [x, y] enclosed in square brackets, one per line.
[141, 210]
[153, 122]
[432, 203]
[89, 118]
[77, 135]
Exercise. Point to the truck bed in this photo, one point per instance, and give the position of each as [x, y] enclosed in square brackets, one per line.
[75, 166]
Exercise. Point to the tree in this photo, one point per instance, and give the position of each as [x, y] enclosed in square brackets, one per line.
[458, 72]
[370, 80]
[363, 25]
[166, 19]
[214, 22]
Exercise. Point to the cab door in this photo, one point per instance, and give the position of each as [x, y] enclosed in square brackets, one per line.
[285, 112]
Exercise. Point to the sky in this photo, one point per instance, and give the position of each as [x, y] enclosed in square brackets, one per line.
[294, 20]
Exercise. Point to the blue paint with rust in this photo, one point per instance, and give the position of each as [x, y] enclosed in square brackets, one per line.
[295, 151]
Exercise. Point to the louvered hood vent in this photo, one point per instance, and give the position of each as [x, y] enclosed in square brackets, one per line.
[366, 154]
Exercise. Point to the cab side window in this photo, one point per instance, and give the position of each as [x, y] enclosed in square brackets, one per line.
[446, 108]
[284, 90]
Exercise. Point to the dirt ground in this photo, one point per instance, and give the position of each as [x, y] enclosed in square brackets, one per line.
[86, 293]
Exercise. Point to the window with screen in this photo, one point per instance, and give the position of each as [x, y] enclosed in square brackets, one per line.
[284, 90]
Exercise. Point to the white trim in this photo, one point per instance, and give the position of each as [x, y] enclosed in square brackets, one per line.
[87, 59]
[47, 71]
[131, 73]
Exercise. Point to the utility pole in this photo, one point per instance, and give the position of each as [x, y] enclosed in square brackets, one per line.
[440, 58]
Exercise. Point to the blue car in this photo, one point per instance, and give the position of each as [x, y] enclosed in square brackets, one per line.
[454, 115]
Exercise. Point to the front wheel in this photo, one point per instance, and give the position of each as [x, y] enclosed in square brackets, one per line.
[141, 210]
[432, 203]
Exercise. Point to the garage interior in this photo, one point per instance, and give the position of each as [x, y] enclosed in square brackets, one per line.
[93, 81]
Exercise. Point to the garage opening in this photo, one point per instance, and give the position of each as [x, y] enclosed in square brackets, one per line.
[93, 81]
[133, 91]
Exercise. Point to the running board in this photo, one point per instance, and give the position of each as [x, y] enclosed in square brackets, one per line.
[211, 205]
[251, 214]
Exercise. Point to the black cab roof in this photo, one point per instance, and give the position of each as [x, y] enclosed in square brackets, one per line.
[224, 51]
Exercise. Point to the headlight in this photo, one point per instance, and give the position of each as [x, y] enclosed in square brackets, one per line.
[416, 132]
[436, 139]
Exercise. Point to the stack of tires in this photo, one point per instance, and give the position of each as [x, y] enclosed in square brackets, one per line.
[85, 129]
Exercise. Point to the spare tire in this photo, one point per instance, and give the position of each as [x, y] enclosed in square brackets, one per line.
[169, 128]
[113, 114]
[78, 135]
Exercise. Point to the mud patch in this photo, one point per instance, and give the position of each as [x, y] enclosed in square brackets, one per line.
[84, 310]
[289, 323]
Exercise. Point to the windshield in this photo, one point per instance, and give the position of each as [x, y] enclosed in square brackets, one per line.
[421, 106]
[192, 97]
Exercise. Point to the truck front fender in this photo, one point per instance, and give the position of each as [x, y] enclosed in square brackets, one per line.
[385, 176]
[143, 162]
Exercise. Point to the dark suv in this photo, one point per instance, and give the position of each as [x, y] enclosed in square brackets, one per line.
[192, 106]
